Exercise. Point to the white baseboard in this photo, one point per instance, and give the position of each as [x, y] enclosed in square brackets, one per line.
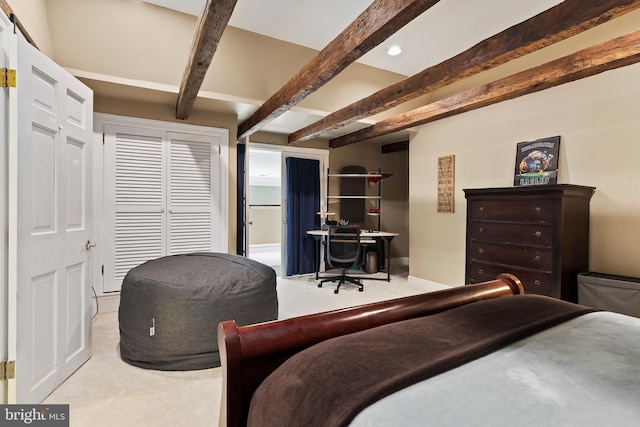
[109, 303]
[264, 248]
[428, 282]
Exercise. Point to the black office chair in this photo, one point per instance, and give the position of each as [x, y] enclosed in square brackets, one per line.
[343, 251]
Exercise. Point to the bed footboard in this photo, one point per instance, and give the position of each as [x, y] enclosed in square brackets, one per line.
[250, 353]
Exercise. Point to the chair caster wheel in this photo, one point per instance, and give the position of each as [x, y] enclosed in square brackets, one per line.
[360, 290]
[335, 292]
[320, 285]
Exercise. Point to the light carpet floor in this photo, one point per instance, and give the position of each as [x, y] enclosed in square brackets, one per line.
[106, 391]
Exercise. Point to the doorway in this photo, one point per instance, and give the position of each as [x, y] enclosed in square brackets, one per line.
[265, 202]
[264, 190]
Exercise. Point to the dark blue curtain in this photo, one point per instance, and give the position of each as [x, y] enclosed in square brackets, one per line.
[240, 201]
[303, 205]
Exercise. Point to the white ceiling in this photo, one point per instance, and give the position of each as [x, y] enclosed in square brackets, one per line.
[264, 167]
[448, 28]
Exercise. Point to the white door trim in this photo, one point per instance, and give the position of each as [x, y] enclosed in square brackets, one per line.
[5, 25]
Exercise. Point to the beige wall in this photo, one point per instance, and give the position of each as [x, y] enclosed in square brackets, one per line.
[598, 121]
[394, 206]
[395, 201]
[353, 155]
[265, 214]
[600, 127]
[266, 226]
[33, 16]
[130, 39]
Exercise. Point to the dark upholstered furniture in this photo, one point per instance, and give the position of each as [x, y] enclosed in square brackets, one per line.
[540, 233]
[170, 307]
[343, 252]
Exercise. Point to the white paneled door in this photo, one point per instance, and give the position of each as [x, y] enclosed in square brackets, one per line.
[163, 196]
[50, 225]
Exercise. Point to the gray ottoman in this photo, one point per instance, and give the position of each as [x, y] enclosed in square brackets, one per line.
[170, 307]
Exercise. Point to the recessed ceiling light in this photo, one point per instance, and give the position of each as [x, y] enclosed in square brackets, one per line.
[394, 50]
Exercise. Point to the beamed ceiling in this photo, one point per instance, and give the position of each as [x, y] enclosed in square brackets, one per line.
[369, 32]
[381, 20]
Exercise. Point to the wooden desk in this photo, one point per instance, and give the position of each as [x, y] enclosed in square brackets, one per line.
[386, 236]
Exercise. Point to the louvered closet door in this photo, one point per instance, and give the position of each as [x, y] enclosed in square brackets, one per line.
[161, 197]
[135, 200]
[192, 206]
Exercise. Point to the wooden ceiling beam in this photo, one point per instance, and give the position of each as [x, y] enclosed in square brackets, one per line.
[380, 20]
[616, 53]
[210, 27]
[557, 23]
[395, 147]
[4, 6]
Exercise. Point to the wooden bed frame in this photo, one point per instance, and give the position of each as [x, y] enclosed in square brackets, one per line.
[250, 353]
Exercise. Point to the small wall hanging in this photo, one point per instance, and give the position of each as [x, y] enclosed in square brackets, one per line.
[446, 183]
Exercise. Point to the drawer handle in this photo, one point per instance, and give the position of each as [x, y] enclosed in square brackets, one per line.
[481, 229]
[538, 234]
[480, 271]
[538, 209]
[481, 208]
[537, 258]
[536, 282]
[481, 250]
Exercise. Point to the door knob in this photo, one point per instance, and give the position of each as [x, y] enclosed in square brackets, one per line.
[89, 244]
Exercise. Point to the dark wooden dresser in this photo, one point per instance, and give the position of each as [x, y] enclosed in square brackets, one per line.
[539, 233]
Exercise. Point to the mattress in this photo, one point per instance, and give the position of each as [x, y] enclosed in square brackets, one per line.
[584, 372]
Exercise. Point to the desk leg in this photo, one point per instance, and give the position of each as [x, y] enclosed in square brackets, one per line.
[387, 249]
[317, 239]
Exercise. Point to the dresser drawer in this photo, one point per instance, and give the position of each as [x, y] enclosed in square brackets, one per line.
[534, 282]
[528, 234]
[523, 256]
[526, 210]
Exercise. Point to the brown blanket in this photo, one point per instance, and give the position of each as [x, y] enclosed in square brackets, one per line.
[330, 383]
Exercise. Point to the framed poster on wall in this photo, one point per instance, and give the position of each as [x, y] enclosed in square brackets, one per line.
[537, 162]
[446, 183]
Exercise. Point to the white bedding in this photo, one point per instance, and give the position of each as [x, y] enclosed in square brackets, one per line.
[584, 372]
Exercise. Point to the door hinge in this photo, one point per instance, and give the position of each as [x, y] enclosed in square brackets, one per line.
[7, 77]
[7, 370]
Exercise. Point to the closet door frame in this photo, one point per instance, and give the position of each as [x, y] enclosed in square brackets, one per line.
[102, 120]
